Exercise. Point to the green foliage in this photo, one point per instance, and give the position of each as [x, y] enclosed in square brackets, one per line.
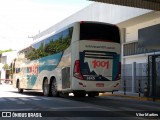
[3, 51]
[6, 67]
[52, 47]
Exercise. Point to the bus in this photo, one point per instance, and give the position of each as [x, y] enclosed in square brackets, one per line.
[82, 58]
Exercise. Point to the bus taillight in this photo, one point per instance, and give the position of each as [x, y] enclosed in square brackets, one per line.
[81, 22]
[77, 71]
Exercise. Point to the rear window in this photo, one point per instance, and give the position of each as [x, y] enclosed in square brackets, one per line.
[94, 31]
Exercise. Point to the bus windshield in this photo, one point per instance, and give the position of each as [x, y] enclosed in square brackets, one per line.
[98, 31]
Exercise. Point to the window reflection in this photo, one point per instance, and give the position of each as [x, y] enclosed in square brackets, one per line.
[52, 45]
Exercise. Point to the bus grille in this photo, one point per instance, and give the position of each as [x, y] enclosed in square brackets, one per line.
[99, 54]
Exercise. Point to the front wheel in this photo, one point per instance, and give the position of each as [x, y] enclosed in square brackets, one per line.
[20, 90]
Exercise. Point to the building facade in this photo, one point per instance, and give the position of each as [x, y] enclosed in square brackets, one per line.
[6, 58]
[134, 56]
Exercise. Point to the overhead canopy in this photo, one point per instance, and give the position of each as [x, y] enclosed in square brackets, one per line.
[146, 4]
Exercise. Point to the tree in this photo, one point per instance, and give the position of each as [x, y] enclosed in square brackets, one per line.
[6, 67]
[2, 51]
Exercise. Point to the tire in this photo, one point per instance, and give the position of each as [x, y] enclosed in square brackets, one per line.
[20, 90]
[53, 89]
[46, 88]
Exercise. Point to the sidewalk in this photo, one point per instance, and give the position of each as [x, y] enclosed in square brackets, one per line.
[130, 95]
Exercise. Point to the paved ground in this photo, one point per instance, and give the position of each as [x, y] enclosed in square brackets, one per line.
[115, 106]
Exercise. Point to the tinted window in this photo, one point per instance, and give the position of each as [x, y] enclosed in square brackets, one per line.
[92, 31]
[37, 45]
[47, 40]
[58, 36]
[52, 45]
[67, 36]
[149, 37]
[17, 70]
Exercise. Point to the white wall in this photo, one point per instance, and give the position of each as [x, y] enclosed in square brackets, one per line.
[2, 71]
[9, 56]
[135, 58]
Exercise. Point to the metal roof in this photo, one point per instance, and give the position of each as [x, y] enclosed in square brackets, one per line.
[145, 4]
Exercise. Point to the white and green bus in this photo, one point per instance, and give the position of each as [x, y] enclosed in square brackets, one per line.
[83, 58]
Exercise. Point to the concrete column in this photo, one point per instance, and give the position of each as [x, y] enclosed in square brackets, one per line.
[133, 76]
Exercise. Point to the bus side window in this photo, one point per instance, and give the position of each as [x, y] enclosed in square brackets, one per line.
[58, 36]
[17, 70]
[38, 45]
[67, 36]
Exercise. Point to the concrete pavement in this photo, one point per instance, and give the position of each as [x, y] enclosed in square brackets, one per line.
[7, 89]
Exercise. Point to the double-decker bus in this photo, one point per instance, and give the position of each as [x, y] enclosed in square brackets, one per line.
[82, 58]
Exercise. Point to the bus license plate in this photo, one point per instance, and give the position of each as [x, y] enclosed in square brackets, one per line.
[100, 85]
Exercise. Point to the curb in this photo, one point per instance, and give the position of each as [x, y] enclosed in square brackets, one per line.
[128, 96]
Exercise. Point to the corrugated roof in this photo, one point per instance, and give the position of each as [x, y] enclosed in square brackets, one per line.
[146, 4]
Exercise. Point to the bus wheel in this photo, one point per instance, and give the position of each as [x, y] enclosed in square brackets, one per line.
[19, 89]
[54, 88]
[46, 88]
